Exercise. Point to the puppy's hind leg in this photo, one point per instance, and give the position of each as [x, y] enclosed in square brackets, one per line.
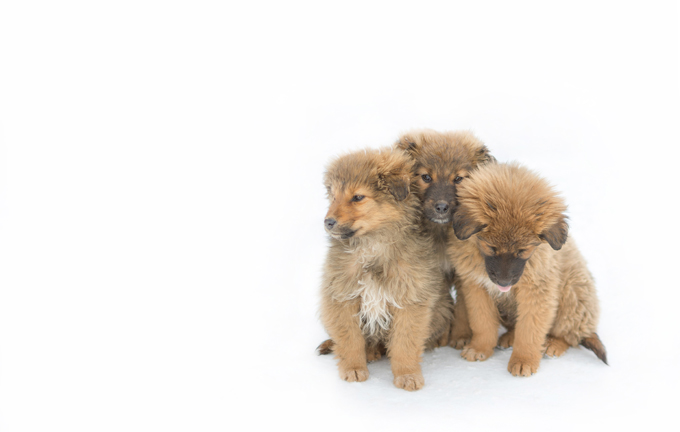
[555, 346]
[375, 351]
[507, 339]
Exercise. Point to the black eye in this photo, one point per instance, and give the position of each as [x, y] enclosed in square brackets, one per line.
[493, 249]
[521, 251]
[458, 179]
[426, 178]
[357, 198]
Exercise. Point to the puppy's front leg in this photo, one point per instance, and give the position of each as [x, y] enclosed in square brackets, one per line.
[484, 322]
[535, 314]
[410, 330]
[341, 320]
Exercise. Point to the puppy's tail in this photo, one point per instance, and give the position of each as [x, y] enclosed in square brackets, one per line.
[326, 347]
[594, 344]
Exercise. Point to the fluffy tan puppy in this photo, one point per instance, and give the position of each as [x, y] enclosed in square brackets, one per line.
[517, 267]
[442, 161]
[382, 288]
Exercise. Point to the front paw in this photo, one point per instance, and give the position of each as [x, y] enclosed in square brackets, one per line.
[410, 382]
[522, 365]
[472, 353]
[353, 374]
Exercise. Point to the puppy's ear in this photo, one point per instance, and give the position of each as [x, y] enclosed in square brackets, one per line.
[399, 185]
[408, 144]
[483, 156]
[464, 226]
[556, 234]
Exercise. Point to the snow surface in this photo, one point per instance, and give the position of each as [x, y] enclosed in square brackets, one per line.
[161, 205]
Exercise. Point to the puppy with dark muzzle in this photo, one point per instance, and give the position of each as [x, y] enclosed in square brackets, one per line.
[442, 162]
[518, 267]
[383, 292]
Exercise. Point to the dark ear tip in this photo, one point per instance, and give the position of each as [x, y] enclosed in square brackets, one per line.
[400, 194]
[460, 236]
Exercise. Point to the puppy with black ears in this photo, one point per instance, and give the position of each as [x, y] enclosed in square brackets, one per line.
[383, 292]
[518, 267]
[442, 162]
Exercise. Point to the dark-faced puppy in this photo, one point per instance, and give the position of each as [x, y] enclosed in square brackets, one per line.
[382, 288]
[442, 162]
[518, 267]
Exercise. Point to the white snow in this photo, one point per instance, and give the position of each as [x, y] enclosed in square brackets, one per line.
[161, 205]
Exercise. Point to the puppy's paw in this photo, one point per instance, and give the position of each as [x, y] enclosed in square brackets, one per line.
[523, 366]
[459, 343]
[471, 353]
[410, 382]
[460, 337]
[443, 339]
[555, 347]
[373, 354]
[358, 374]
[507, 339]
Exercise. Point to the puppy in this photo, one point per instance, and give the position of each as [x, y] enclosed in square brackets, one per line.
[517, 267]
[382, 288]
[442, 161]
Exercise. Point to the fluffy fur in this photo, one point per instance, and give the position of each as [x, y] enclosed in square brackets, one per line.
[518, 267]
[442, 161]
[382, 288]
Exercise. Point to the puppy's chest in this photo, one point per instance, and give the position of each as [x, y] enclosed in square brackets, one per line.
[375, 287]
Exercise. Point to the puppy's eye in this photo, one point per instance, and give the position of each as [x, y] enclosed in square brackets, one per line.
[357, 198]
[458, 179]
[493, 249]
[426, 178]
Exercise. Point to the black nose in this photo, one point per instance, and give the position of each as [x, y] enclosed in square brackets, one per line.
[504, 282]
[441, 207]
[330, 223]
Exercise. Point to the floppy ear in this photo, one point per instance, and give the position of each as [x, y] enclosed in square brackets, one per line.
[464, 226]
[556, 234]
[484, 156]
[399, 185]
[408, 144]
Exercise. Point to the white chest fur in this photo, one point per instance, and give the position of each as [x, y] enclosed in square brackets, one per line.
[375, 296]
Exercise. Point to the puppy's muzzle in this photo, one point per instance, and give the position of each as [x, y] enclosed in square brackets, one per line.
[330, 223]
[442, 207]
[337, 231]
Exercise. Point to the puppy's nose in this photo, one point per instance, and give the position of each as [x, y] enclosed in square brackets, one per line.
[504, 282]
[330, 223]
[441, 207]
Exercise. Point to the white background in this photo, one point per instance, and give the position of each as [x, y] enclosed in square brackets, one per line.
[161, 204]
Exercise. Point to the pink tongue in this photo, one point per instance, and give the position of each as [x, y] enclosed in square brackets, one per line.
[504, 289]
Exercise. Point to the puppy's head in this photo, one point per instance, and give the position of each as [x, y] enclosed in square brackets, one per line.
[367, 191]
[442, 162]
[510, 211]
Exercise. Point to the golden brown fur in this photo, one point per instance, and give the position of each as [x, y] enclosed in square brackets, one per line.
[382, 289]
[509, 217]
[444, 157]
